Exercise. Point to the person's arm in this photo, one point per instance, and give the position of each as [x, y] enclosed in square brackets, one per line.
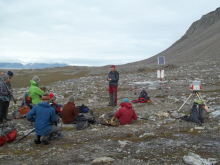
[53, 116]
[118, 113]
[9, 85]
[76, 113]
[31, 115]
[135, 116]
[39, 92]
[108, 77]
[2, 91]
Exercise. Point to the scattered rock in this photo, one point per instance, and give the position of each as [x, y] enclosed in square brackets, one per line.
[103, 160]
[194, 159]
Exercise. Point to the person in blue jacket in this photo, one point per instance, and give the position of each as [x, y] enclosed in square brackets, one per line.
[43, 115]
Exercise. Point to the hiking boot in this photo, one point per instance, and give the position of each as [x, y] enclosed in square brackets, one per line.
[46, 140]
[7, 119]
[109, 104]
[37, 142]
[37, 139]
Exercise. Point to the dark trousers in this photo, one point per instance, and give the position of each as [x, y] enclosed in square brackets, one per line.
[3, 109]
[113, 90]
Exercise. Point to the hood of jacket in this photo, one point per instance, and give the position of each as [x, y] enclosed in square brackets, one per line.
[44, 104]
[127, 105]
[34, 83]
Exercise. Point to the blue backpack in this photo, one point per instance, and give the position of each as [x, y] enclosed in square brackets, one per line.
[82, 109]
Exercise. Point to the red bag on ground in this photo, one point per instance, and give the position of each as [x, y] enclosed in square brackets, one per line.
[2, 141]
[11, 136]
[8, 134]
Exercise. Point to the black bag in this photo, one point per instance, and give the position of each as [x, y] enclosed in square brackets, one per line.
[82, 109]
[81, 122]
[144, 95]
[194, 115]
[202, 113]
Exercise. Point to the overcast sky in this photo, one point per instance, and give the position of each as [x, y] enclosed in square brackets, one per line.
[94, 32]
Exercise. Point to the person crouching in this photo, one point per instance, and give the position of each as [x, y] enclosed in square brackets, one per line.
[126, 113]
[44, 116]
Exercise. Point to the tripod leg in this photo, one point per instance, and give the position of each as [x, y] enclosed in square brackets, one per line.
[200, 98]
[185, 102]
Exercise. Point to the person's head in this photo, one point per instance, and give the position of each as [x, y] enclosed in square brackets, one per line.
[113, 68]
[10, 74]
[71, 99]
[5, 78]
[2, 74]
[36, 79]
[28, 96]
[126, 100]
[45, 98]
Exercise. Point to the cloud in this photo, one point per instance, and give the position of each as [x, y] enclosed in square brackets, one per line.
[93, 32]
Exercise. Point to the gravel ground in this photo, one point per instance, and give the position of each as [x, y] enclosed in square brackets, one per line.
[158, 140]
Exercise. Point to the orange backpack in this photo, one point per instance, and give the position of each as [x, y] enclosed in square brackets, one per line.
[23, 111]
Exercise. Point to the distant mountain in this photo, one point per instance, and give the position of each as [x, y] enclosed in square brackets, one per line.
[30, 65]
[200, 42]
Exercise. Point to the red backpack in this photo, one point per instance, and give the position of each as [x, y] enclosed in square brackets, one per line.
[143, 97]
[8, 134]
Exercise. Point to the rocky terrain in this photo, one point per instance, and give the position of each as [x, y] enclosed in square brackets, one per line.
[161, 139]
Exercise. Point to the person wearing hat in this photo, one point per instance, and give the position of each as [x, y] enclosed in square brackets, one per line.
[126, 113]
[35, 91]
[4, 97]
[43, 115]
[69, 111]
[55, 105]
[113, 78]
[27, 101]
[10, 74]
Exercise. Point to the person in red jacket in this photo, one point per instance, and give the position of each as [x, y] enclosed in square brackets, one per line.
[126, 113]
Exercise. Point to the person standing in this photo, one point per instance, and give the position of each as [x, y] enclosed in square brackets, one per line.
[10, 74]
[113, 78]
[35, 91]
[4, 97]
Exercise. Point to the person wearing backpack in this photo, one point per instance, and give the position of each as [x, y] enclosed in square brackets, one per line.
[69, 112]
[35, 91]
[194, 115]
[126, 113]
[4, 97]
[113, 78]
[44, 117]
